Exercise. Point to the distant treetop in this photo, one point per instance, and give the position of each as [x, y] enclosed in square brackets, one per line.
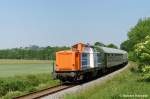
[112, 46]
[99, 44]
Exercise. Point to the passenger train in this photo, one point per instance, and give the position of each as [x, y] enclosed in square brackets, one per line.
[84, 61]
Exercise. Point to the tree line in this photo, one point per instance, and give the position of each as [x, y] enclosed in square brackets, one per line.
[32, 52]
[36, 52]
[111, 45]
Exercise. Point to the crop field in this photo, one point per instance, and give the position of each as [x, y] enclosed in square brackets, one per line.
[23, 67]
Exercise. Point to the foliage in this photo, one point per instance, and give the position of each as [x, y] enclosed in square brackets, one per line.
[109, 45]
[99, 44]
[137, 34]
[142, 51]
[138, 46]
[125, 45]
[23, 84]
[145, 73]
[146, 69]
[32, 52]
[112, 46]
[132, 56]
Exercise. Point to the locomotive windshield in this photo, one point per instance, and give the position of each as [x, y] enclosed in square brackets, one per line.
[85, 60]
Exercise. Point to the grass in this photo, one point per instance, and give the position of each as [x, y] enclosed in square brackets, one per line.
[19, 85]
[7, 70]
[24, 67]
[18, 77]
[124, 85]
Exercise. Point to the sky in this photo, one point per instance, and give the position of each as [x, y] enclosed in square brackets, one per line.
[66, 22]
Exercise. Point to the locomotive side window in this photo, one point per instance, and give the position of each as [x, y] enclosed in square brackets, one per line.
[85, 60]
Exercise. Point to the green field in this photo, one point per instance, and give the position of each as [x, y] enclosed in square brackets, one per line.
[23, 67]
[18, 77]
[7, 70]
[123, 86]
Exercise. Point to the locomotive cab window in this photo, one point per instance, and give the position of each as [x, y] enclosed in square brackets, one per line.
[85, 60]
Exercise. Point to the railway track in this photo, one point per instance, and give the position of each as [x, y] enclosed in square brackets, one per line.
[45, 92]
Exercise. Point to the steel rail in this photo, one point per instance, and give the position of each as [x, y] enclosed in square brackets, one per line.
[44, 92]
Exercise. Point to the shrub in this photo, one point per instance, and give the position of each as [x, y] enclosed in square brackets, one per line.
[145, 73]
[146, 69]
[142, 51]
[132, 56]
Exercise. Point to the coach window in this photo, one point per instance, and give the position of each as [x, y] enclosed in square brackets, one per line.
[99, 58]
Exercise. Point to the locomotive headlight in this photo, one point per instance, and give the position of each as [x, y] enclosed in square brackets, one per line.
[72, 74]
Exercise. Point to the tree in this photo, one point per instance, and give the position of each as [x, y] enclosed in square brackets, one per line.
[112, 46]
[137, 34]
[125, 46]
[99, 44]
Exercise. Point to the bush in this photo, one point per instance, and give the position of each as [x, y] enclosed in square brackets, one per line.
[132, 56]
[146, 69]
[142, 51]
[145, 73]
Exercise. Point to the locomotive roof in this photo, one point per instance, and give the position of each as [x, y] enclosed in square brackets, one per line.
[112, 50]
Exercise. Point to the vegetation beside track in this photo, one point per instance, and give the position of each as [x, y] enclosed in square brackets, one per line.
[125, 85]
[18, 77]
[19, 85]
